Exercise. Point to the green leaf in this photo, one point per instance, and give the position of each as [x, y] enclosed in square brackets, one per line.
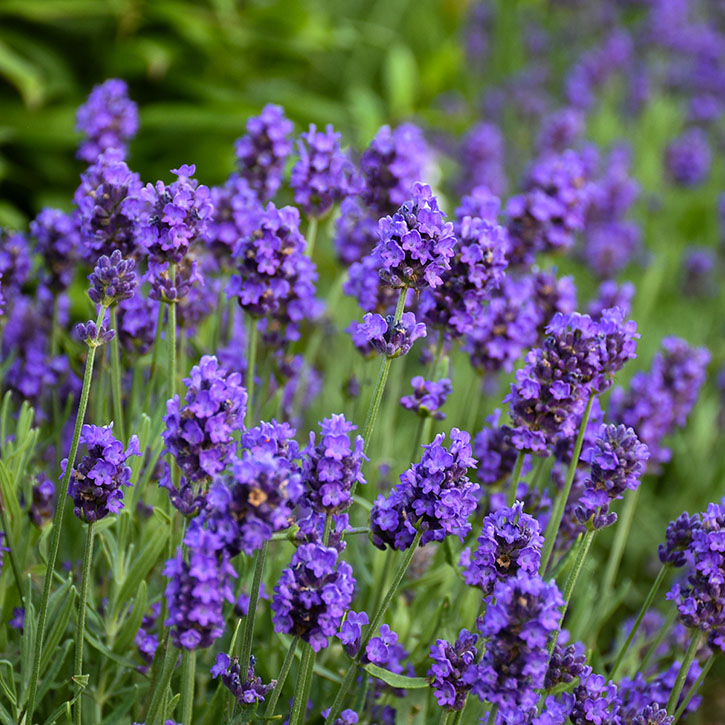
[398, 681]
[98, 645]
[27, 642]
[119, 713]
[21, 73]
[133, 621]
[401, 80]
[49, 675]
[59, 611]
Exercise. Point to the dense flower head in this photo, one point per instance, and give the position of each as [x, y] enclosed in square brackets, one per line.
[236, 212]
[264, 149]
[610, 294]
[113, 279]
[332, 466]
[482, 154]
[508, 327]
[356, 231]
[323, 175]
[552, 295]
[510, 542]
[391, 164]
[678, 538]
[479, 203]
[247, 691]
[15, 262]
[566, 664]
[596, 701]
[434, 496]
[58, 241]
[547, 215]
[195, 594]
[97, 478]
[93, 335]
[415, 244]
[609, 247]
[171, 218]
[688, 158]
[428, 397]
[560, 130]
[450, 665]
[42, 505]
[618, 460]
[137, 319]
[653, 715]
[386, 336]
[107, 120]
[495, 451]
[312, 594]
[199, 433]
[105, 217]
[476, 268]
[519, 620]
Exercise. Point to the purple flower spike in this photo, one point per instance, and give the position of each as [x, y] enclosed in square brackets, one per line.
[97, 479]
[678, 538]
[451, 665]
[415, 245]
[434, 495]
[653, 715]
[324, 174]
[313, 594]
[15, 262]
[236, 212]
[688, 158]
[107, 120]
[263, 151]
[43, 505]
[245, 692]
[356, 231]
[428, 397]
[385, 336]
[596, 701]
[91, 335]
[113, 279]
[482, 155]
[58, 241]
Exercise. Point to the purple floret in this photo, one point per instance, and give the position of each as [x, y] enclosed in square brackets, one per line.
[451, 664]
[385, 336]
[350, 633]
[428, 397]
[356, 231]
[688, 158]
[58, 241]
[113, 279]
[482, 158]
[245, 692]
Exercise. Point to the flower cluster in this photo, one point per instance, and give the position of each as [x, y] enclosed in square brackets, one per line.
[688, 158]
[356, 231]
[93, 335]
[312, 595]
[495, 451]
[107, 120]
[386, 336]
[236, 211]
[451, 665]
[96, 480]
[113, 279]
[42, 505]
[58, 241]
[434, 496]
[482, 155]
[415, 245]
[250, 690]
[428, 397]
[332, 467]
[350, 632]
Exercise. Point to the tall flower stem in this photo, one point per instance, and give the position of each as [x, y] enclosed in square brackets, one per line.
[336, 708]
[81, 626]
[154, 357]
[382, 379]
[252, 335]
[116, 380]
[515, 476]
[695, 686]
[171, 342]
[637, 622]
[552, 529]
[682, 674]
[248, 631]
[162, 682]
[58, 526]
[302, 691]
[311, 236]
[621, 535]
[281, 678]
[445, 714]
[188, 677]
[655, 645]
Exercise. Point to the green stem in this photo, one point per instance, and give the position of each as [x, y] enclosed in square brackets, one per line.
[621, 535]
[58, 525]
[157, 695]
[682, 674]
[188, 678]
[248, 632]
[654, 647]
[444, 717]
[311, 235]
[155, 356]
[171, 342]
[637, 622]
[695, 686]
[281, 678]
[116, 380]
[336, 708]
[515, 476]
[557, 514]
[457, 717]
[81, 627]
[251, 360]
[302, 691]
[10, 545]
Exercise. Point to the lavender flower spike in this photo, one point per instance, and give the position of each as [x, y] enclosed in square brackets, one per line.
[451, 665]
[245, 692]
[383, 335]
[113, 279]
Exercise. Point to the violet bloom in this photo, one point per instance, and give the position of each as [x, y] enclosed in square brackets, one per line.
[520, 618]
[137, 319]
[451, 664]
[57, 241]
[372, 294]
[332, 466]
[428, 397]
[552, 294]
[699, 273]
[107, 120]
[113, 279]
[385, 651]
[105, 217]
[323, 175]
[549, 212]
[415, 245]
[97, 479]
[596, 700]
[610, 294]
[495, 451]
[263, 151]
[391, 164]
[385, 336]
[356, 231]
[3, 549]
[312, 595]
[565, 665]
[653, 715]
[246, 692]
[678, 538]
[481, 155]
[15, 261]
[618, 460]
[42, 506]
[350, 633]
[560, 130]
[146, 642]
[434, 496]
[92, 335]
[510, 542]
[236, 212]
[688, 158]
[195, 594]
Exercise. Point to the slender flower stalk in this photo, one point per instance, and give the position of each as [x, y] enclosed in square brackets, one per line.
[116, 380]
[158, 693]
[552, 529]
[58, 525]
[620, 540]
[171, 342]
[515, 476]
[248, 631]
[682, 674]
[281, 678]
[154, 357]
[302, 691]
[81, 626]
[188, 677]
[637, 622]
[695, 687]
[311, 235]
